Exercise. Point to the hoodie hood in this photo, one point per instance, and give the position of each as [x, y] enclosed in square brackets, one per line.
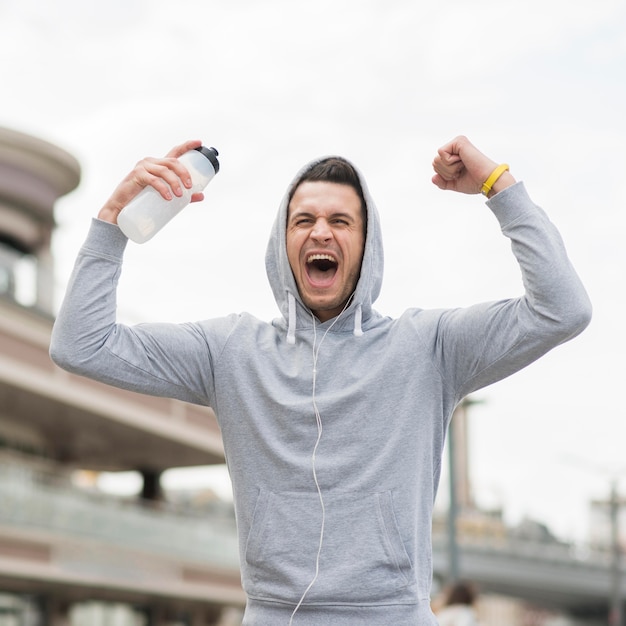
[282, 281]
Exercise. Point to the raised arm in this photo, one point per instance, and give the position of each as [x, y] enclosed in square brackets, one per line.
[487, 342]
[170, 360]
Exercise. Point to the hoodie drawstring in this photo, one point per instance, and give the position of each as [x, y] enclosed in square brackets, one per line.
[291, 322]
[358, 317]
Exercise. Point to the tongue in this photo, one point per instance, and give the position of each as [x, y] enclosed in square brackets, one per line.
[321, 278]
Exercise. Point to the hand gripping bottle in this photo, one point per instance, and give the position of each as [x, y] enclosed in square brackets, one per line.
[145, 215]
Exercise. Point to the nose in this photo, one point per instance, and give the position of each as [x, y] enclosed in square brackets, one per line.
[321, 231]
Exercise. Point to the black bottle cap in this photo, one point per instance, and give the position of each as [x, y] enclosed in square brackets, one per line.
[211, 154]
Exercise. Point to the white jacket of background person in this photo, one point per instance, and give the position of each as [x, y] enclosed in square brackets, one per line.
[457, 615]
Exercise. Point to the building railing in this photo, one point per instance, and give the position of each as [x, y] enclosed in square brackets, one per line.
[30, 499]
[38, 500]
[504, 541]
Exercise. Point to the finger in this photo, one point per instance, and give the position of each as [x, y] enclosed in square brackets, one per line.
[448, 171]
[450, 158]
[441, 182]
[171, 170]
[437, 180]
[449, 153]
[179, 150]
[164, 175]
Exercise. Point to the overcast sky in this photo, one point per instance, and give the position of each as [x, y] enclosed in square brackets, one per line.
[540, 84]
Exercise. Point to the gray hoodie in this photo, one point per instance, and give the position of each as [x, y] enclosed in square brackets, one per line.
[355, 508]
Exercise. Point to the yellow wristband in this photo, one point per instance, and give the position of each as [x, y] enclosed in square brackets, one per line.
[493, 177]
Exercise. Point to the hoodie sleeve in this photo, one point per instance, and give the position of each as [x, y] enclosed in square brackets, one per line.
[170, 360]
[479, 345]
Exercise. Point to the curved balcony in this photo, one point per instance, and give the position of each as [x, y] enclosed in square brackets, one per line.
[52, 532]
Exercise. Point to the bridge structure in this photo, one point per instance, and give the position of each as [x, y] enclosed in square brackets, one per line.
[551, 574]
[547, 574]
[529, 564]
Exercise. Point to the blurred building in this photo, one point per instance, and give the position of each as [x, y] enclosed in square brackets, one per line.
[69, 554]
[607, 523]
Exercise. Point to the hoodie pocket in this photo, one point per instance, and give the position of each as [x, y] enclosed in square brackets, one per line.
[363, 558]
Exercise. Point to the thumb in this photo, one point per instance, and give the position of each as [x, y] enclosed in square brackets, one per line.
[442, 183]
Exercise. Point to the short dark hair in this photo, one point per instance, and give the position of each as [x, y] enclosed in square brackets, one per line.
[332, 170]
[461, 593]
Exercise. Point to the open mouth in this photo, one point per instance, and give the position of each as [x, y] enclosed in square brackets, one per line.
[321, 269]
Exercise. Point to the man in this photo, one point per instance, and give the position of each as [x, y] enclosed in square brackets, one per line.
[333, 416]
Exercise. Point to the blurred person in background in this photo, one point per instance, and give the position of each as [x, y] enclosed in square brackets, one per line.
[458, 608]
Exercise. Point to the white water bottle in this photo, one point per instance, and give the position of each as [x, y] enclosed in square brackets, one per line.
[145, 215]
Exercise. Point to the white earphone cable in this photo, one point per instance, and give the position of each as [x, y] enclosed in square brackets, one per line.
[318, 420]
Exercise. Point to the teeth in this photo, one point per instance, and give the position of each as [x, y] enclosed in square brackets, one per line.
[321, 257]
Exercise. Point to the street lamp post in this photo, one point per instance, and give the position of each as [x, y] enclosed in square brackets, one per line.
[615, 616]
[453, 544]
[457, 436]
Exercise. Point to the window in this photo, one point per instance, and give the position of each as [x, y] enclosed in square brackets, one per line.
[18, 275]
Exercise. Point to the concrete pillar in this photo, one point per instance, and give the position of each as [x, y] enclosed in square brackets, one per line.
[151, 489]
